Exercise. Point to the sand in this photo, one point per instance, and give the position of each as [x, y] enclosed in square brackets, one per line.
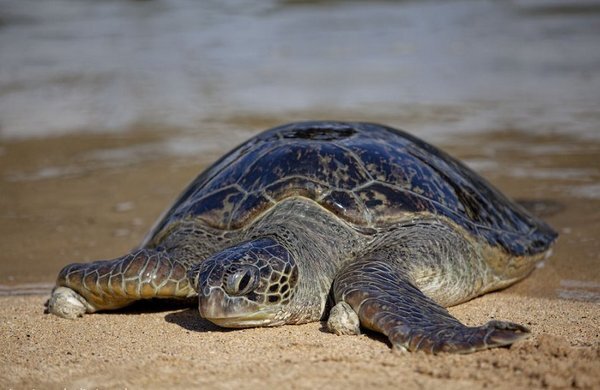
[513, 93]
[176, 349]
[84, 210]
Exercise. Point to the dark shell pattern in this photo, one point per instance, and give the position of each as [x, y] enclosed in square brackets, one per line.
[367, 174]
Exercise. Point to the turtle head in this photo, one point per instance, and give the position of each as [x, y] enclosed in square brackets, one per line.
[247, 285]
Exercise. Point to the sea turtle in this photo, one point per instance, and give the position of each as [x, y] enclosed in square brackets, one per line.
[384, 226]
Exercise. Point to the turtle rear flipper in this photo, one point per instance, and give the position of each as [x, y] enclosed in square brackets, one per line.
[113, 284]
[387, 302]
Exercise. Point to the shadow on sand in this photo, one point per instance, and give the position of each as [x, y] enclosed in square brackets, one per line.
[190, 319]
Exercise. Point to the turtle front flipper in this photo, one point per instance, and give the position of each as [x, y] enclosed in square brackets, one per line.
[386, 301]
[113, 284]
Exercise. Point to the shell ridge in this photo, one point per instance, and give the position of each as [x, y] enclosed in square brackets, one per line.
[357, 159]
[258, 158]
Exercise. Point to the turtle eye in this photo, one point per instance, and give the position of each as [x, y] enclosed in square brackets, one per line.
[241, 281]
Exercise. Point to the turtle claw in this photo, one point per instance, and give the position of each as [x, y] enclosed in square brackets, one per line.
[66, 303]
[491, 335]
[343, 320]
[461, 339]
[499, 333]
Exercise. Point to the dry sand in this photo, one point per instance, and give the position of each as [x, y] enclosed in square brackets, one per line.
[176, 349]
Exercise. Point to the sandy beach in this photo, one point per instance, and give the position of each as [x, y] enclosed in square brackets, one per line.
[176, 349]
[109, 109]
[103, 212]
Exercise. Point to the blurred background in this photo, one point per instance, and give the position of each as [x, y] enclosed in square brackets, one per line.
[109, 107]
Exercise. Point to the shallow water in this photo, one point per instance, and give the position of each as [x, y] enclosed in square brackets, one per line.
[108, 108]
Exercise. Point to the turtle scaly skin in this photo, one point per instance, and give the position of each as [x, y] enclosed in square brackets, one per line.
[389, 226]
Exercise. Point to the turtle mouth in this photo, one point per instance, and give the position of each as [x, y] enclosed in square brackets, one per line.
[252, 321]
[234, 311]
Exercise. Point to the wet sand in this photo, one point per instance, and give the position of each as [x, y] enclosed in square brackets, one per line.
[86, 208]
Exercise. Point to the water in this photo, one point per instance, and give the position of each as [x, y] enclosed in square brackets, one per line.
[71, 65]
[105, 103]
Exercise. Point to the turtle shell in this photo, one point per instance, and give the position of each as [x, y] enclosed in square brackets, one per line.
[367, 174]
